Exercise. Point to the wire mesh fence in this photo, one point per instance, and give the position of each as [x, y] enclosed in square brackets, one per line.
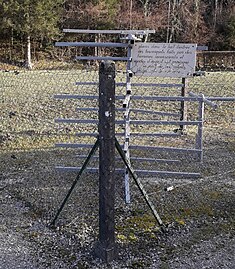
[28, 135]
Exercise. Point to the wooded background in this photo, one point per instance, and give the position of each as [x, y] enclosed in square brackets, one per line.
[30, 27]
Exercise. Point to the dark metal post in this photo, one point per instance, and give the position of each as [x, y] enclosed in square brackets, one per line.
[183, 105]
[105, 248]
[199, 137]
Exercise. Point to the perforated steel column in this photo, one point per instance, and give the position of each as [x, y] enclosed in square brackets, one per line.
[106, 245]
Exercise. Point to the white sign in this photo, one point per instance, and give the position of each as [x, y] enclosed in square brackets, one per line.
[164, 59]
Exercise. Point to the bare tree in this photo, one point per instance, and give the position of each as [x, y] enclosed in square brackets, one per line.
[215, 13]
[173, 19]
[197, 15]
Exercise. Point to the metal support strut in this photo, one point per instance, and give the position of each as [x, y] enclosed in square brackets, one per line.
[138, 183]
[130, 170]
[86, 162]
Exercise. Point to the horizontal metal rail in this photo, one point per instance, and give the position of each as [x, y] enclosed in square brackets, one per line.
[75, 169]
[96, 109]
[159, 85]
[84, 121]
[168, 173]
[136, 159]
[228, 99]
[88, 83]
[133, 134]
[166, 98]
[150, 172]
[136, 134]
[120, 109]
[140, 122]
[136, 147]
[219, 52]
[85, 156]
[202, 48]
[91, 44]
[156, 134]
[161, 122]
[119, 134]
[123, 84]
[76, 96]
[133, 147]
[101, 58]
[87, 134]
[77, 121]
[123, 32]
[73, 145]
[154, 160]
[145, 111]
[87, 109]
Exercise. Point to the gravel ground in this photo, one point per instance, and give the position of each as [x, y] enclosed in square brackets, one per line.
[16, 252]
[199, 215]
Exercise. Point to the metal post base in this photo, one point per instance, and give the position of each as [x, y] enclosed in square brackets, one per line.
[106, 253]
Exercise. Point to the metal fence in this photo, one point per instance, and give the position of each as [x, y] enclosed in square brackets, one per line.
[28, 134]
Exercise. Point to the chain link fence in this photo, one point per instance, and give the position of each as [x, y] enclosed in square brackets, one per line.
[28, 134]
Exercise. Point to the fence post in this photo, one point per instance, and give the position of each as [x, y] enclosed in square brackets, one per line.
[127, 119]
[199, 138]
[183, 105]
[105, 248]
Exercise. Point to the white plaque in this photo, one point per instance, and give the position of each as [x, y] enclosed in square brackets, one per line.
[164, 59]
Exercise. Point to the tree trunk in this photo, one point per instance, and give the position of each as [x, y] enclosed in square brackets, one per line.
[168, 21]
[215, 13]
[197, 14]
[173, 20]
[146, 9]
[28, 61]
[130, 11]
[97, 49]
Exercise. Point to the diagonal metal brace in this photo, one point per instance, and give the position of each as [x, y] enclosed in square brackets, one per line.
[86, 162]
[138, 183]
